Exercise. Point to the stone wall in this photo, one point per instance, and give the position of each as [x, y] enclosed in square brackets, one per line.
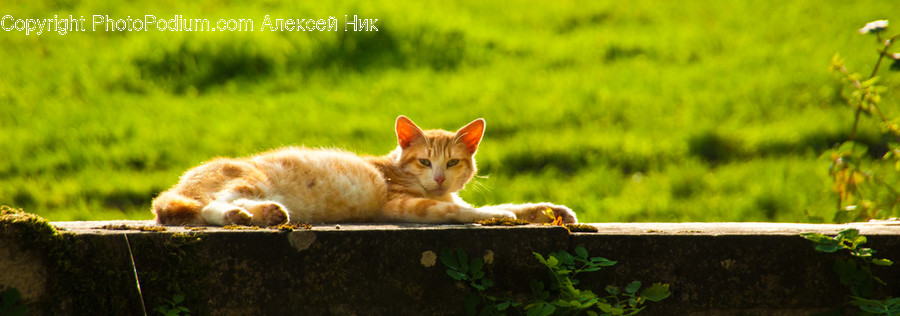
[712, 269]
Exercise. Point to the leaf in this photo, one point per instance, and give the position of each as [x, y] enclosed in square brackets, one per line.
[552, 262]
[564, 258]
[549, 213]
[852, 235]
[882, 262]
[844, 267]
[863, 252]
[876, 98]
[575, 304]
[656, 292]
[177, 299]
[448, 259]
[558, 221]
[540, 258]
[828, 248]
[859, 301]
[548, 310]
[475, 266]
[815, 237]
[562, 303]
[878, 309]
[463, 260]
[456, 275]
[581, 252]
[870, 82]
[605, 307]
[566, 285]
[589, 301]
[603, 262]
[857, 279]
[536, 286]
[537, 289]
[587, 295]
[487, 283]
[853, 149]
[633, 287]
[540, 309]
[502, 306]
[612, 290]
[11, 296]
[635, 301]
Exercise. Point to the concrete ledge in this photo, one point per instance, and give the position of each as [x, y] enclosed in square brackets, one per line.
[713, 268]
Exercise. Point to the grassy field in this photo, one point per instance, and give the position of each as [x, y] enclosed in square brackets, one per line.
[645, 111]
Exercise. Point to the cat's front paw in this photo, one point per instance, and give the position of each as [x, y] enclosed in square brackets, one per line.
[537, 213]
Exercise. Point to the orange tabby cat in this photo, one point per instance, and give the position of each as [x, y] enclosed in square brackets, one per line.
[417, 182]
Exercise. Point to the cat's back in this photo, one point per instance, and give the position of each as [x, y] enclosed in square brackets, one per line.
[322, 185]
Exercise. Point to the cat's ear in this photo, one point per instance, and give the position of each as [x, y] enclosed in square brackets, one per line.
[470, 135]
[407, 131]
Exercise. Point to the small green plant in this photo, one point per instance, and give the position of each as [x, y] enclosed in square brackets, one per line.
[173, 307]
[856, 272]
[562, 296]
[11, 303]
[863, 186]
[890, 306]
[460, 268]
[564, 267]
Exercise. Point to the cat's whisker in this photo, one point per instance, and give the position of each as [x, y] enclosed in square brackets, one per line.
[479, 186]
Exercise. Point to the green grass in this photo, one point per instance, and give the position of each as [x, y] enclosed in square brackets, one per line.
[649, 111]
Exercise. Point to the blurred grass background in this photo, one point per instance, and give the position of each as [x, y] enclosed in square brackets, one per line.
[645, 111]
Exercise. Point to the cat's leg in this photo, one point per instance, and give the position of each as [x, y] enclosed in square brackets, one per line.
[535, 212]
[532, 212]
[238, 204]
[264, 213]
[223, 213]
[422, 210]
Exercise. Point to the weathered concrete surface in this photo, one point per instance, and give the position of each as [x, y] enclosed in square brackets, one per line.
[713, 268]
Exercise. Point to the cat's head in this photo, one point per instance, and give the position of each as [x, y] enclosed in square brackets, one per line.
[442, 162]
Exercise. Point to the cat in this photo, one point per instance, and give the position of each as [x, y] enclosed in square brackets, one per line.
[417, 182]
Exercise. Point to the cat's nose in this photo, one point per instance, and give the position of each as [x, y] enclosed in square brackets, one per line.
[439, 180]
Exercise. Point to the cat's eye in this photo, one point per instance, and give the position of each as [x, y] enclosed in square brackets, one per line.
[452, 162]
[425, 162]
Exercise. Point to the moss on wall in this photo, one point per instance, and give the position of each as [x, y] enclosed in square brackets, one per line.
[95, 274]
